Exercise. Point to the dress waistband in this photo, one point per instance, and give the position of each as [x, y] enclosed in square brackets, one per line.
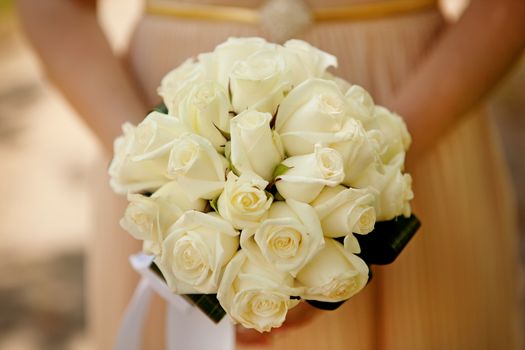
[239, 14]
[281, 20]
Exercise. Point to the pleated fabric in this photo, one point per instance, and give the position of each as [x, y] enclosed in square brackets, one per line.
[456, 285]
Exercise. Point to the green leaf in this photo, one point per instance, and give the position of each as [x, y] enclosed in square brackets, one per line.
[225, 134]
[280, 169]
[388, 239]
[161, 108]
[278, 197]
[209, 304]
[234, 169]
[274, 118]
[213, 204]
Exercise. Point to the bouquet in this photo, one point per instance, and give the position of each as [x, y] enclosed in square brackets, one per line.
[263, 181]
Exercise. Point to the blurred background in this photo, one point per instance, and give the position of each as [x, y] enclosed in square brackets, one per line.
[46, 153]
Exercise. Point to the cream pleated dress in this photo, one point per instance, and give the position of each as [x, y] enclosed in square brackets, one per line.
[456, 284]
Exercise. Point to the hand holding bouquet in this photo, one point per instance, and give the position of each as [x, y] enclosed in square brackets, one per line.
[260, 179]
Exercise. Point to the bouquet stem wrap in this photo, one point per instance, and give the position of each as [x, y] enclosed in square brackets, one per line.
[185, 324]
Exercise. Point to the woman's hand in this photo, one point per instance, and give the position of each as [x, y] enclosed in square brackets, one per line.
[464, 64]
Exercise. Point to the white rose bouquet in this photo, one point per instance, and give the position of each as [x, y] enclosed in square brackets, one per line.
[263, 181]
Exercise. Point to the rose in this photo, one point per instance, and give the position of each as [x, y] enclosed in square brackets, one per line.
[360, 103]
[351, 244]
[315, 111]
[341, 83]
[358, 148]
[259, 81]
[195, 163]
[244, 201]
[393, 189]
[306, 61]
[141, 154]
[287, 239]
[218, 64]
[345, 210]
[205, 111]
[308, 174]
[256, 295]
[254, 146]
[177, 83]
[195, 252]
[395, 136]
[148, 218]
[334, 274]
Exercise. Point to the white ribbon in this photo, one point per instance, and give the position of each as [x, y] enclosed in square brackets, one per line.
[187, 327]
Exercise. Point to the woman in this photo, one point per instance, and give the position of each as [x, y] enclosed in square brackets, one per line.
[455, 287]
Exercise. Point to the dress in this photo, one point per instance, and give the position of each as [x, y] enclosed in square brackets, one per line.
[456, 285]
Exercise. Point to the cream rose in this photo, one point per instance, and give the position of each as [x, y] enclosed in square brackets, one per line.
[148, 218]
[360, 103]
[345, 210]
[306, 61]
[244, 201]
[351, 244]
[393, 189]
[308, 174]
[205, 111]
[396, 139]
[197, 166]
[195, 252]
[334, 274]
[219, 63]
[254, 146]
[342, 84]
[287, 239]
[255, 295]
[178, 82]
[358, 148]
[141, 154]
[313, 112]
[259, 81]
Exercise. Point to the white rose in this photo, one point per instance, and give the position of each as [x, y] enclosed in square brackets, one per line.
[254, 146]
[219, 63]
[287, 239]
[360, 103]
[255, 295]
[244, 201]
[333, 275]
[396, 139]
[259, 81]
[351, 244]
[345, 210]
[141, 154]
[148, 218]
[308, 174]
[341, 83]
[314, 111]
[177, 83]
[197, 166]
[195, 252]
[394, 189]
[205, 111]
[306, 61]
[359, 149]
